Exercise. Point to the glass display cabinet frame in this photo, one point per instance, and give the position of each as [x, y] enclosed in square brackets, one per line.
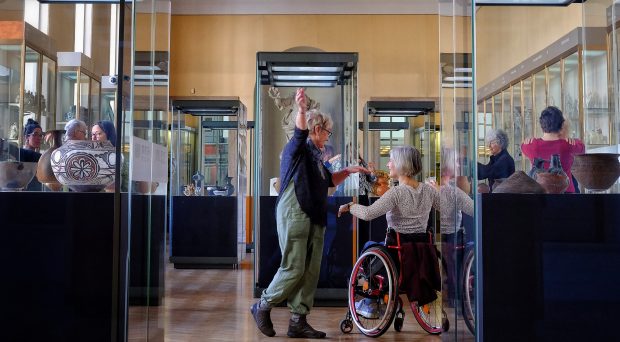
[330, 80]
[208, 221]
[78, 87]
[28, 65]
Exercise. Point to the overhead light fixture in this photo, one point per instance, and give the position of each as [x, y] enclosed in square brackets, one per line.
[525, 2]
[384, 126]
[305, 69]
[304, 84]
[458, 78]
[207, 106]
[305, 77]
[399, 108]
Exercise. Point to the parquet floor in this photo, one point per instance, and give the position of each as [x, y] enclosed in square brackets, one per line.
[213, 305]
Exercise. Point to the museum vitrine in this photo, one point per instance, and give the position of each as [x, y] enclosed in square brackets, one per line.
[330, 82]
[78, 90]
[27, 79]
[208, 182]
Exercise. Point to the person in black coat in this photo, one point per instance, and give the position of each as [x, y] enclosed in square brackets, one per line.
[501, 164]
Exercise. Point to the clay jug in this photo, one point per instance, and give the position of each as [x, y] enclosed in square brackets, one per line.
[45, 174]
[554, 181]
[538, 166]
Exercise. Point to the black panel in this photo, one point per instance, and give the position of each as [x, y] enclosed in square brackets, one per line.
[203, 227]
[550, 267]
[57, 276]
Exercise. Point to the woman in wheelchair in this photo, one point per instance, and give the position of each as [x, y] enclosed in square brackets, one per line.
[407, 208]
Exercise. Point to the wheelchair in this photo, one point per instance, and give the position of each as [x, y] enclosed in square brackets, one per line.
[375, 282]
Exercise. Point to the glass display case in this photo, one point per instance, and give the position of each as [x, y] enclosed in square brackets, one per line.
[208, 182]
[540, 98]
[107, 102]
[517, 119]
[596, 101]
[330, 80]
[27, 79]
[78, 87]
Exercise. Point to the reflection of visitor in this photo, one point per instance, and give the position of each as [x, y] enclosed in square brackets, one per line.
[553, 142]
[501, 164]
[102, 131]
[29, 152]
[76, 130]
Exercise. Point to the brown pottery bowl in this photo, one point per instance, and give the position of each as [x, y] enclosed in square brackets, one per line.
[596, 171]
[552, 183]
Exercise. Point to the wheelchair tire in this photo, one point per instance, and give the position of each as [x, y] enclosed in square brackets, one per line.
[346, 326]
[374, 283]
[469, 294]
[431, 316]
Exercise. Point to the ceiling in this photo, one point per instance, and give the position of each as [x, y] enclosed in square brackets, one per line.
[191, 7]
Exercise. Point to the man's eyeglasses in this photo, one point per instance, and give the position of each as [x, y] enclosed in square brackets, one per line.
[329, 133]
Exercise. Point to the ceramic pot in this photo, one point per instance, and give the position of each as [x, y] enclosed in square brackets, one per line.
[15, 175]
[84, 166]
[45, 174]
[553, 183]
[596, 171]
[143, 187]
[518, 183]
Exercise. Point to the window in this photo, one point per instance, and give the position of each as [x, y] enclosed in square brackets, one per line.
[113, 38]
[36, 14]
[83, 28]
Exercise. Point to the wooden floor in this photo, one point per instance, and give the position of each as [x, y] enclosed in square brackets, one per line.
[213, 305]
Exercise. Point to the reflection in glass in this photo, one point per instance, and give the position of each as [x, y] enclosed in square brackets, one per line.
[570, 107]
[596, 103]
[555, 85]
[540, 98]
[507, 118]
[528, 105]
[517, 118]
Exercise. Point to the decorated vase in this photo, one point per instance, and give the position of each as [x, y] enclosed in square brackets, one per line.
[84, 166]
[45, 174]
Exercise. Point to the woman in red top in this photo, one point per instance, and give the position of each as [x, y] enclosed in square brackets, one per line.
[553, 142]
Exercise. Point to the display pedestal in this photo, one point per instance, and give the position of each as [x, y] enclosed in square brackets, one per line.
[203, 232]
[550, 267]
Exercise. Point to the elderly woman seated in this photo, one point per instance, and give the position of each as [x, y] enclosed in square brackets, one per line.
[75, 130]
[501, 165]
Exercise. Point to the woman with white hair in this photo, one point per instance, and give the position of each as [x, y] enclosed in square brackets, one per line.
[407, 208]
[501, 165]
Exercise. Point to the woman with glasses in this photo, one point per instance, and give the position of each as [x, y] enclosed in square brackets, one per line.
[501, 165]
[301, 217]
[32, 135]
[102, 131]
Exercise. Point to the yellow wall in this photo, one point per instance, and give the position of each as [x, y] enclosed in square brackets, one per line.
[506, 36]
[216, 54]
[144, 31]
[62, 26]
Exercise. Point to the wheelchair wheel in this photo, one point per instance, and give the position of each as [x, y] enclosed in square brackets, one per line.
[469, 294]
[430, 316]
[400, 316]
[373, 292]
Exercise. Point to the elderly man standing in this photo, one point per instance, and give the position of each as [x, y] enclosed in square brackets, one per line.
[301, 217]
[501, 164]
[75, 130]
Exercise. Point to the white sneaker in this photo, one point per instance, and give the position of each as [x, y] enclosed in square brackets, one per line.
[367, 308]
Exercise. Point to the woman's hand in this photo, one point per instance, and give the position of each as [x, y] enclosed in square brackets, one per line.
[357, 168]
[528, 140]
[344, 208]
[300, 99]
